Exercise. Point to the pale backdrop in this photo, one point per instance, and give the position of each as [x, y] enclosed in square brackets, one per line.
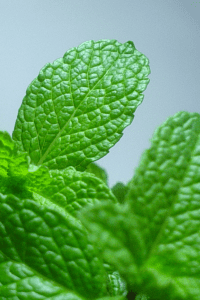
[33, 33]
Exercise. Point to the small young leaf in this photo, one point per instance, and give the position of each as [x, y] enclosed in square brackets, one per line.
[78, 106]
[6, 150]
[116, 284]
[98, 172]
[120, 190]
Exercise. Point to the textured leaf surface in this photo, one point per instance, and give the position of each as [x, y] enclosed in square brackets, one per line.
[12, 163]
[6, 149]
[19, 282]
[78, 106]
[164, 199]
[13, 166]
[69, 188]
[113, 228]
[117, 285]
[45, 251]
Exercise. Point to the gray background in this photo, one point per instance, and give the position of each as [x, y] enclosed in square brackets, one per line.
[33, 33]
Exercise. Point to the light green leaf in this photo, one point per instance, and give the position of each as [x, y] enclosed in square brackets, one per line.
[13, 167]
[12, 163]
[46, 251]
[78, 106]
[116, 284]
[6, 150]
[164, 200]
[69, 188]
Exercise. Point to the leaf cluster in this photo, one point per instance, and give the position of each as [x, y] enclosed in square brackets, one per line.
[64, 234]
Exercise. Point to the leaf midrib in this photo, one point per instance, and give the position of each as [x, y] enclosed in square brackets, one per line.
[61, 131]
[156, 241]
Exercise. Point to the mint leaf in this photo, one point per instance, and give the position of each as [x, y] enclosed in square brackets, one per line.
[78, 106]
[116, 285]
[53, 251]
[113, 228]
[120, 190]
[69, 188]
[13, 167]
[18, 281]
[164, 201]
[167, 178]
[98, 172]
[6, 149]
[12, 163]
[142, 297]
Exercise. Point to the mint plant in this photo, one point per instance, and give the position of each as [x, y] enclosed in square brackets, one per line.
[64, 234]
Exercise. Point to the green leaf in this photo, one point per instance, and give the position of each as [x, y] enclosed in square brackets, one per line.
[45, 252]
[78, 106]
[13, 167]
[98, 172]
[112, 227]
[12, 163]
[6, 150]
[18, 281]
[120, 190]
[164, 201]
[142, 297]
[113, 298]
[116, 284]
[69, 188]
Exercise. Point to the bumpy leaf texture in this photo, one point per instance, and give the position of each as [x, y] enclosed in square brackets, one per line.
[78, 106]
[6, 150]
[161, 245]
[45, 254]
[13, 167]
[70, 189]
